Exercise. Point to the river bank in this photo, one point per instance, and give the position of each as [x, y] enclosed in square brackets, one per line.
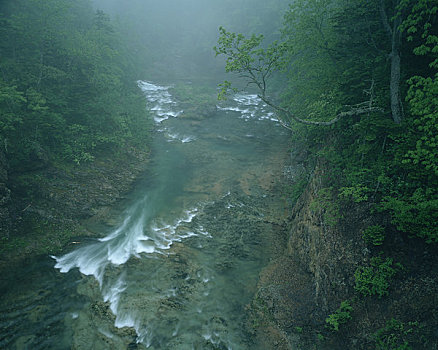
[45, 208]
[48, 207]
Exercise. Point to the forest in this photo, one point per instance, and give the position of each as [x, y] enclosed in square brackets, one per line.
[353, 83]
[356, 83]
[343, 66]
[67, 84]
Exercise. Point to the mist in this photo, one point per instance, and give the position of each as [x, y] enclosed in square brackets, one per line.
[176, 37]
[218, 174]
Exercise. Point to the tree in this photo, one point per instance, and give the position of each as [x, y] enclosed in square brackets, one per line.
[413, 199]
[250, 61]
[66, 91]
[395, 38]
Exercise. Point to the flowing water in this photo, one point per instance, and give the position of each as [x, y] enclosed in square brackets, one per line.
[182, 262]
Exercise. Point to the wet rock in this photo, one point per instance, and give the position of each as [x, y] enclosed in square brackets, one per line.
[198, 113]
[24, 342]
[5, 218]
[5, 199]
[38, 313]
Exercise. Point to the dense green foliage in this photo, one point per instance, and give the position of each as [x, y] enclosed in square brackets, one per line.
[373, 119]
[374, 235]
[67, 85]
[376, 278]
[397, 335]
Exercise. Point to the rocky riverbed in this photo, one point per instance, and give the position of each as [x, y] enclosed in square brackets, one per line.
[176, 262]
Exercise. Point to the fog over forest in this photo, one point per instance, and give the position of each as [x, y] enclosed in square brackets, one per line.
[177, 37]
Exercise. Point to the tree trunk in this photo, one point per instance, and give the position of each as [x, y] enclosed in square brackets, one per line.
[395, 72]
[394, 35]
[395, 87]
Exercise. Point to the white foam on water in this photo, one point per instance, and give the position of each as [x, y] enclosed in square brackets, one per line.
[158, 119]
[249, 106]
[186, 139]
[215, 339]
[159, 96]
[144, 336]
[125, 320]
[91, 261]
[106, 333]
[181, 138]
[247, 99]
[233, 109]
[205, 276]
[175, 232]
[146, 86]
[201, 230]
[175, 114]
[127, 240]
[146, 245]
[112, 294]
[142, 236]
[133, 237]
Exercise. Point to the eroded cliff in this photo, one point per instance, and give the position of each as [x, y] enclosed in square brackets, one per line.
[307, 283]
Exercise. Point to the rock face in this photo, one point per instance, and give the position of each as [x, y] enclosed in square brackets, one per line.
[5, 197]
[315, 273]
[309, 280]
[328, 251]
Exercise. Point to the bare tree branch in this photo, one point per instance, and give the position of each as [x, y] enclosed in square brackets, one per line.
[356, 110]
[258, 65]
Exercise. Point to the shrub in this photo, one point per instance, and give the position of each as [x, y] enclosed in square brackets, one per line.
[396, 335]
[374, 235]
[340, 316]
[375, 279]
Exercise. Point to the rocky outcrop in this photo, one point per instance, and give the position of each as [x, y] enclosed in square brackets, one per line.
[315, 273]
[330, 251]
[199, 112]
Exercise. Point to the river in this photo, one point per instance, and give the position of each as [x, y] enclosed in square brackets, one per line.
[181, 261]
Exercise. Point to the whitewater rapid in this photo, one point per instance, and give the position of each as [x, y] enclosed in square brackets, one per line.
[144, 235]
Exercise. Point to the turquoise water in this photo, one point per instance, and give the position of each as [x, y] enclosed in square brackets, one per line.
[182, 262]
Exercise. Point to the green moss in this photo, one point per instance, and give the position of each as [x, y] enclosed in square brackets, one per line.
[326, 205]
[39, 237]
[299, 329]
[291, 193]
